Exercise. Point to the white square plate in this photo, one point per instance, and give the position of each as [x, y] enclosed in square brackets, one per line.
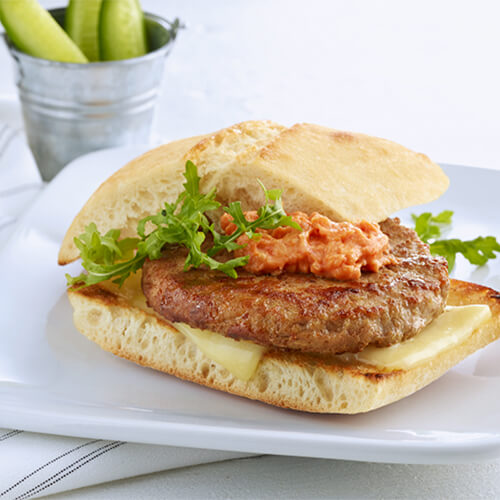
[52, 379]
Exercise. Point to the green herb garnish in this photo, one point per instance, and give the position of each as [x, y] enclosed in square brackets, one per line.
[183, 222]
[270, 216]
[429, 227]
[477, 251]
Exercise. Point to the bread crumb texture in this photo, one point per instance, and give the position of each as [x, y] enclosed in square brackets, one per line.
[297, 381]
[343, 175]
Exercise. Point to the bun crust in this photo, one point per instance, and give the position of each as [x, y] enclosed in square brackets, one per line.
[124, 326]
[343, 175]
[127, 196]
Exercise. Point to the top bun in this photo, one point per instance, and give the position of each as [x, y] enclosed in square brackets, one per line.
[343, 175]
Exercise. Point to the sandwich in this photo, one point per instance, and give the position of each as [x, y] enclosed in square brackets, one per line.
[308, 296]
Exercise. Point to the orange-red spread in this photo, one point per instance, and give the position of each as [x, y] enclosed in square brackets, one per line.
[339, 250]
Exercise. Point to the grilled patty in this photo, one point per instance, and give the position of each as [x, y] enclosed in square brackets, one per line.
[302, 311]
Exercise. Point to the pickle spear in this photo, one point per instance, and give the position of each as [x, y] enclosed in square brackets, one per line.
[122, 30]
[82, 25]
[34, 31]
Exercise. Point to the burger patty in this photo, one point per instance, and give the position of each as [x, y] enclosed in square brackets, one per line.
[301, 311]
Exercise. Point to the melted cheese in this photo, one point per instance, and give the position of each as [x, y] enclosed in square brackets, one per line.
[444, 333]
[240, 357]
[131, 290]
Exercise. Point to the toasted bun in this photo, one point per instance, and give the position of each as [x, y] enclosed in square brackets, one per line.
[120, 324]
[344, 175]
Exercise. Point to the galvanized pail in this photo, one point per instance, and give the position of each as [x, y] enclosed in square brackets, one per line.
[72, 109]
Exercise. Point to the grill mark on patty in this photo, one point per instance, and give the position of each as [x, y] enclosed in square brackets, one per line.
[306, 312]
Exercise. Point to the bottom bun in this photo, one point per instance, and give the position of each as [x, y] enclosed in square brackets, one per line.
[291, 380]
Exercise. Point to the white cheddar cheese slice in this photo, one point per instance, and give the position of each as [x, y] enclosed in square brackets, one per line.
[240, 357]
[445, 332]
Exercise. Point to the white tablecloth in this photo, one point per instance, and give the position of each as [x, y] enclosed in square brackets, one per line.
[423, 74]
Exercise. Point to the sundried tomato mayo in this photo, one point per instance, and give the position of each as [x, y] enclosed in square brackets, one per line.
[339, 250]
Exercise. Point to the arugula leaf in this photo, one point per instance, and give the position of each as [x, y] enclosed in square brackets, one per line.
[183, 222]
[105, 257]
[477, 251]
[269, 216]
[429, 227]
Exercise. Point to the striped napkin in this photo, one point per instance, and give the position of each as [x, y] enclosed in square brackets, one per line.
[34, 465]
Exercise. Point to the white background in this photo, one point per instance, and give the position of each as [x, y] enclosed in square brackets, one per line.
[423, 73]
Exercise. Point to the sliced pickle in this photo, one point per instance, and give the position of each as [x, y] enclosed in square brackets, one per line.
[34, 31]
[82, 25]
[122, 30]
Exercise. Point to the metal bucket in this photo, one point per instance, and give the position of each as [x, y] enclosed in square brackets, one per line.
[72, 109]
